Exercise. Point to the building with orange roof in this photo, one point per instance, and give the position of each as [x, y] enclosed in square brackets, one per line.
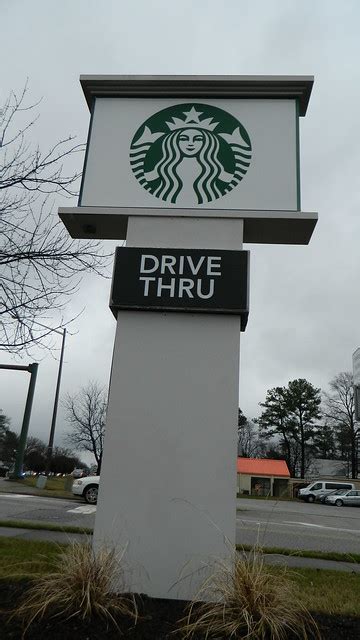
[262, 477]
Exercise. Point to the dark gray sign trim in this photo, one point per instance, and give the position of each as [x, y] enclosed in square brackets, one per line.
[186, 280]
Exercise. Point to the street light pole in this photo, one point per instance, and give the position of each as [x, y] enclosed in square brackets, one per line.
[33, 368]
[56, 402]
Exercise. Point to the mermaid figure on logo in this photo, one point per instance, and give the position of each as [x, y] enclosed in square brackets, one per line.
[188, 157]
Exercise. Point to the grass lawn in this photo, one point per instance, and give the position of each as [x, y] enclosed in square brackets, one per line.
[24, 558]
[333, 592]
[325, 591]
[55, 487]
[52, 484]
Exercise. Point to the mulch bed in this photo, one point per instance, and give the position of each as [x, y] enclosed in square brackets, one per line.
[157, 621]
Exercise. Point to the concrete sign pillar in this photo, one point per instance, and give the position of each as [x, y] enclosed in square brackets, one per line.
[168, 482]
[189, 169]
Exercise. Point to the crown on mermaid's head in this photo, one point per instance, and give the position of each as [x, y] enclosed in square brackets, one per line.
[192, 121]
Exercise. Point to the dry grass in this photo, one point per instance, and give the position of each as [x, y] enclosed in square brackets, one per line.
[245, 598]
[81, 584]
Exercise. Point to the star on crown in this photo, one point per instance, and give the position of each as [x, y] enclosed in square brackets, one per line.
[192, 121]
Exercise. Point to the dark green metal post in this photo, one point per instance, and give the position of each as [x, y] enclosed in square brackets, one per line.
[33, 368]
[56, 401]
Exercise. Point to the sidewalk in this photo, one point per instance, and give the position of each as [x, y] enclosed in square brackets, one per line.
[311, 563]
[12, 486]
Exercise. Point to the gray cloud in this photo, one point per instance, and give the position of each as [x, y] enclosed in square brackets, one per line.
[305, 307]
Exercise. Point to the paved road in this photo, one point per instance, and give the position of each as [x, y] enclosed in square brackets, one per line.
[297, 525]
[255, 516]
[50, 510]
[290, 525]
[279, 524]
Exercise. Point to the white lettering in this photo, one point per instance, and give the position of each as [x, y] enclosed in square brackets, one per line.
[205, 296]
[143, 268]
[162, 286]
[211, 264]
[147, 281]
[167, 262]
[185, 286]
[203, 270]
[195, 270]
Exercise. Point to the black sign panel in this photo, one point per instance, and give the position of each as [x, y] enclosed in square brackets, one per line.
[196, 280]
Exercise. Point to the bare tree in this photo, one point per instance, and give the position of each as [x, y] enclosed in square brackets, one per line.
[40, 264]
[86, 413]
[8, 440]
[339, 409]
[35, 454]
[249, 445]
[4, 423]
[4, 429]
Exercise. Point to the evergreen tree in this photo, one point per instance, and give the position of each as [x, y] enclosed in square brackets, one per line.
[274, 422]
[324, 442]
[289, 413]
[303, 402]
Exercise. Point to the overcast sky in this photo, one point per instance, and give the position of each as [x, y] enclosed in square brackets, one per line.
[304, 301]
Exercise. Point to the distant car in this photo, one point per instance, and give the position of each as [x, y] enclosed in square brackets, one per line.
[342, 498]
[78, 473]
[316, 490]
[87, 488]
[322, 499]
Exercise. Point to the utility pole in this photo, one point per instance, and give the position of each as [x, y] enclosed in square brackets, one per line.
[56, 402]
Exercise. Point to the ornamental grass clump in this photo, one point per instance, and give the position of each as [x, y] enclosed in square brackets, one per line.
[246, 598]
[82, 584]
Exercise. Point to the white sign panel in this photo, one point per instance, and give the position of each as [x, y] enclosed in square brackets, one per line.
[192, 153]
[356, 367]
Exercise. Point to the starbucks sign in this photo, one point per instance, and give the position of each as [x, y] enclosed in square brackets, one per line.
[192, 148]
[201, 153]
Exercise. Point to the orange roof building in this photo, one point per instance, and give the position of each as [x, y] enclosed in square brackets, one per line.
[263, 467]
[262, 477]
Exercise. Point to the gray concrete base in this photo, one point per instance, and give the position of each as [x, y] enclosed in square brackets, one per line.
[168, 477]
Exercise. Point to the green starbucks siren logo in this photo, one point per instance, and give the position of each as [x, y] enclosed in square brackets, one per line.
[192, 151]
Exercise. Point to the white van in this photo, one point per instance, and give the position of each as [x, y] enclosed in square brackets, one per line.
[320, 488]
